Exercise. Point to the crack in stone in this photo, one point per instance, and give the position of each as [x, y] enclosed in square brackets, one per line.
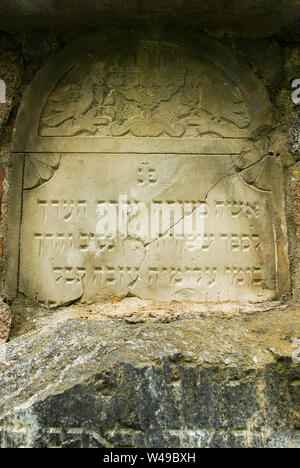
[231, 173]
[147, 245]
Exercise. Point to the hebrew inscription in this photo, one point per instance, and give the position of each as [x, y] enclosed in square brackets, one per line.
[147, 173]
[162, 227]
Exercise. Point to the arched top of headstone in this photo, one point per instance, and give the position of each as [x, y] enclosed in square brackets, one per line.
[138, 95]
[147, 174]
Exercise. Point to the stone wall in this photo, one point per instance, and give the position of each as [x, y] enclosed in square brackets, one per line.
[261, 376]
[274, 61]
[209, 383]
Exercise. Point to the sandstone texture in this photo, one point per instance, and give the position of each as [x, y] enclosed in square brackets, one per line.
[295, 136]
[293, 211]
[71, 239]
[5, 321]
[9, 76]
[147, 174]
[297, 210]
[198, 382]
[113, 342]
[262, 19]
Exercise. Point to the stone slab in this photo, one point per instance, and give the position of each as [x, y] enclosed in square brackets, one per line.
[112, 384]
[161, 227]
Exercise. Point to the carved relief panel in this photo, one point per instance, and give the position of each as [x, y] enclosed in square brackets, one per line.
[145, 175]
[154, 90]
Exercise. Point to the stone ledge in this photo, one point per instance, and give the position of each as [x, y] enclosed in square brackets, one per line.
[200, 382]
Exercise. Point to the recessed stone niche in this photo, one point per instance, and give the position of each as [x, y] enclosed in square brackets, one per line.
[145, 172]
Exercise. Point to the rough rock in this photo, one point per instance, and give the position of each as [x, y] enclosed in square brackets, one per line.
[297, 210]
[293, 219]
[201, 382]
[5, 321]
[295, 136]
[250, 17]
[9, 76]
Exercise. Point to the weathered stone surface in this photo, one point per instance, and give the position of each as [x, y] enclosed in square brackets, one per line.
[293, 208]
[183, 383]
[266, 57]
[108, 94]
[208, 383]
[5, 321]
[249, 17]
[8, 76]
[185, 236]
[297, 209]
[147, 173]
[2, 179]
[30, 316]
[295, 136]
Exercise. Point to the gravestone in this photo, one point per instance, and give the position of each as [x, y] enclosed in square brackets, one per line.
[147, 173]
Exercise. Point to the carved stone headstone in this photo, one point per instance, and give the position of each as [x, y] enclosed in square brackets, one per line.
[144, 175]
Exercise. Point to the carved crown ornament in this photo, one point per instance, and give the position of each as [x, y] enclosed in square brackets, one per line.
[85, 99]
[154, 90]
